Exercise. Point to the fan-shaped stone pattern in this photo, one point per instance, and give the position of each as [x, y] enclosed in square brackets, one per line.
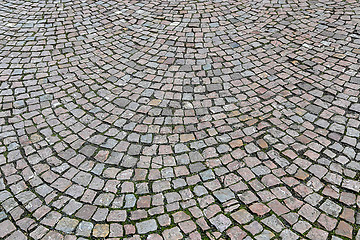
[179, 119]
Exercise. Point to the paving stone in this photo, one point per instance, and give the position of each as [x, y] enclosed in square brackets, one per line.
[355, 107]
[351, 184]
[316, 233]
[130, 201]
[236, 233]
[221, 222]
[302, 226]
[254, 227]
[331, 208]
[328, 222]
[242, 216]
[17, 235]
[274, 223]
[7, 227]
[146, 226]
[288, 234]
[67, 225]
[259, 208]
[172, 233]
[224, 195]
[344, 229]
[309, 212]
[84, 229]
[266, 234]
[116, 230]
[187, 226]
[101, 230]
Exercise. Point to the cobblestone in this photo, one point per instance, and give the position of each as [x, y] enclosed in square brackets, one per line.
[179, 119]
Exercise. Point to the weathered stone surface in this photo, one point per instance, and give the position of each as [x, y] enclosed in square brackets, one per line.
[179, 119]
[146, 226]
[67, 225]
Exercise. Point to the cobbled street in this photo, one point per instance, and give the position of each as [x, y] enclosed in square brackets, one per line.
[184, 119]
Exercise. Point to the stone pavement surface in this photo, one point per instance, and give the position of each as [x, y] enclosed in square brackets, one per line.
[179, 119]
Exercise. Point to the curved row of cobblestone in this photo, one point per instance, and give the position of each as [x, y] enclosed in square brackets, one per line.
[179, 119]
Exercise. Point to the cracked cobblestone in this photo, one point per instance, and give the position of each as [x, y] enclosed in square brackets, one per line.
[179, 119]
